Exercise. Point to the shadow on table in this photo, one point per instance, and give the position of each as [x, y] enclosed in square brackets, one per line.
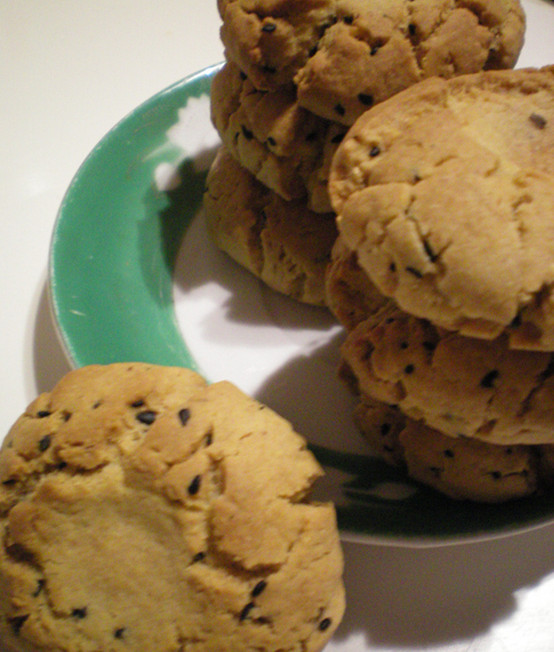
[49, 360]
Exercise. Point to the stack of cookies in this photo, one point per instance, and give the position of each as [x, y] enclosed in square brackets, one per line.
[298, 74]
[443, 276]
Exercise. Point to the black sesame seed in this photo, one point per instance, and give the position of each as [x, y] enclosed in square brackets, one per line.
[137, 403]
[269, 69]
[311, 136]
[414, 271]
[325, 624]
[392, 267]
[194, 486]
[374, 50]
[388, 449]
[430, 346]
[44, 443]
[269, 27]
[385, 429]
[339, 108]
[411, 29]
[39, 587]
[246, 610]
[337, 139]
[243, 76]
[184, 416]
[488, 379]
[366, 99]
[312, 51]
[496, 475]
[260, 586]
[374, 151]
[17, 622]
[79, 612]
[436, 471]
[404, 345]
[199, 556]
[538, 120]
[348, 20]
[247, 133]
[9, 482]
[449, 453]
[119, 632]
[409, 369]
[209, 439]
[271, 141]
[509, 451]
[516, 322]
[41, 414]
[147, 417]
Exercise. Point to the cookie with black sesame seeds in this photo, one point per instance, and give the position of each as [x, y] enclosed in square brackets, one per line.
[142, 507]
[349, 294]
[281, 242]
[345, 56]
[284, 146]
[446, 191]
[461, 468]
[458, 385]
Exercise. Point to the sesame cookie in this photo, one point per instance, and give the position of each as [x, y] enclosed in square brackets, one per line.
[344, 56]
[461, 386]
[285, 147]
[446, 193]
[283, 243]
[462, 468]
[142, 509]
[349, 294]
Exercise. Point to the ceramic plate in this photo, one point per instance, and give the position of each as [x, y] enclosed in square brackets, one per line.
[133, 276]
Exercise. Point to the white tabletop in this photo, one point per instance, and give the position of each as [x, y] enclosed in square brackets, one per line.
[68, 72]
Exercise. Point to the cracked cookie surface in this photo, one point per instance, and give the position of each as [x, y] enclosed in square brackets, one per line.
[463, 387]
[142, 509]
[283, 243]
[344, 56]
[285, 147]
[446, 193]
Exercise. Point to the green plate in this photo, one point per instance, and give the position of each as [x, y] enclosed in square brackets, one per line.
[118, 237]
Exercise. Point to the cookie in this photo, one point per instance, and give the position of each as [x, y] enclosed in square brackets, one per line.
[349, 294]
[344, 56]
[142, 509]
[446, 193]
[460, 386]
[285, 147]
[283, 243]
[461, 468]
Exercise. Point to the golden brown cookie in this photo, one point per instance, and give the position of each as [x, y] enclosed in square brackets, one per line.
[461, 386]
[446, 193]
[349, 294]
[283, 243]
[284, 146]
[142, 509]
[345, 56]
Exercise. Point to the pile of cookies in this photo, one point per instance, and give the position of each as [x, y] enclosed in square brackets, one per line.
[297, 75]
[444, 280]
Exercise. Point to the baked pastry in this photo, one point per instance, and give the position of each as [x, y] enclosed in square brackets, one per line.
[143, 509]
[461, 468]
[344, 56]
[446, 194]
[349, 294]
[283, 243]
[285, 147]
[463, 387]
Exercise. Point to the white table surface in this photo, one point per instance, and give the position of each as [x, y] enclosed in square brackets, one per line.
[69, 70]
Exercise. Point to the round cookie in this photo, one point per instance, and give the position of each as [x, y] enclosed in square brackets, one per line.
[345, 56]
[462, 468]
[142, 509]
[349, 294]
[284, 146]
[283, 243]
[461, 386]
[446, 193]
